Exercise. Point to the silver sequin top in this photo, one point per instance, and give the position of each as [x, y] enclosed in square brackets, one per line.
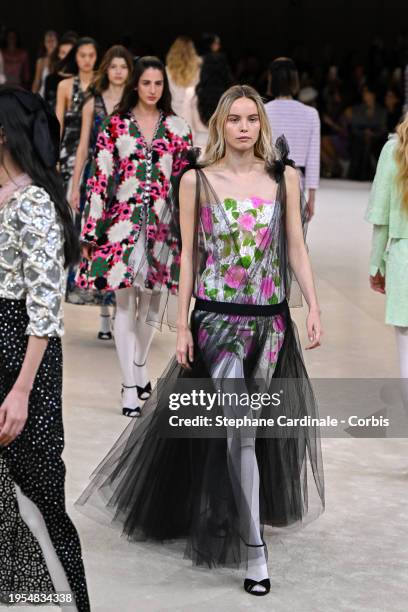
[32, 258]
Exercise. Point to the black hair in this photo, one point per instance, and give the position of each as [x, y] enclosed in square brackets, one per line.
[69, 38]
[215, 78]
[69, 64]
[130, 96]
[18, 126]
[284, 78]
[206, 41]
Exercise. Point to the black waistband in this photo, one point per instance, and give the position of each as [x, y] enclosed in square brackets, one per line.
[245, 310]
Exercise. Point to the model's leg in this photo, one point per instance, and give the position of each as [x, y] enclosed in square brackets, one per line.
[243, 468]
[125, 340]
[402, 347]
[401, 334]
[105, 320]
[35, 522]
[144, 336]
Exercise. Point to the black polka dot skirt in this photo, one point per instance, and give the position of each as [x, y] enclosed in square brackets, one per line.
[33, 462]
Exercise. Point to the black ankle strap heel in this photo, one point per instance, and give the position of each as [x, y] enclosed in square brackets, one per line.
[130, 412]
[250, 584]
[143, 393]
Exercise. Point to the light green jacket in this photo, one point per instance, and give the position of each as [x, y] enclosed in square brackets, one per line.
[385, 207]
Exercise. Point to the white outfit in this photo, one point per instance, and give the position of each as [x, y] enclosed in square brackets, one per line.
[199, 129]
[180, 97]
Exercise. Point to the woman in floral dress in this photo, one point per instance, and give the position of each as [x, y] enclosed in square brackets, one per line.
[106, 91]
[126, 229]
[241, 226]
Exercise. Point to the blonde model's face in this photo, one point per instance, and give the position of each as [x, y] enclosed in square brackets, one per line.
[118, 71]
[243, 125]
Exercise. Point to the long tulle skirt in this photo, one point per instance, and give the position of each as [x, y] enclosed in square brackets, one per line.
[217, 492]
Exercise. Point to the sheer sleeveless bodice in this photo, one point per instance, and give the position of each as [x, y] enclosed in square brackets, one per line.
[240, 254]
[241, 240]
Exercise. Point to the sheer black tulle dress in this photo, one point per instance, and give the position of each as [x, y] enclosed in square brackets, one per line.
[218, 493]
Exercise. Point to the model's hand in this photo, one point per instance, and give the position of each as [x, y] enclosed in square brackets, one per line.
[310, 204]
[314, 329]
[87, 251]
[377, 282]
[185, 347]
[75, 200]
[13, 415]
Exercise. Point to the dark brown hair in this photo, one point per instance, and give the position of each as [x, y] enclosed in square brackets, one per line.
[284, 78]
[101, 81]
[131, 97]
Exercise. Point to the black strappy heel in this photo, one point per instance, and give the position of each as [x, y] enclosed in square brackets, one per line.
[143, 393]
[250, 584]
[130, 412]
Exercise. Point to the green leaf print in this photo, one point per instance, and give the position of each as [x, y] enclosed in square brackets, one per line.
[249, 290]
[249, 242]
[235, 214]
[258, 254]
[277, 281]
[258, 226]
[102, 227]
[252, 212]
[273, 299]
[99, 267]
[229, 291]
[230, 204]
[137, 215]
[141, 171]
[246, 261]
[224, 268]
[226, 251]
[212, 293]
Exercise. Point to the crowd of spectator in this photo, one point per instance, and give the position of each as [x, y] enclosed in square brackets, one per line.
[360, 98]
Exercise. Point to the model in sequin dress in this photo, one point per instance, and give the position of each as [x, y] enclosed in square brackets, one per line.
[40, 549]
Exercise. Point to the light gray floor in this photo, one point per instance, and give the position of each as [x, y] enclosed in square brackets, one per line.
[354, 557]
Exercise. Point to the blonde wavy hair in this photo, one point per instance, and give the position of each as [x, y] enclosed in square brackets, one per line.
[183, 62]
[401, 156]
[215, 149]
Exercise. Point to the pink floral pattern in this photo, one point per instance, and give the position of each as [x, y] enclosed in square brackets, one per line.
[237, 235]
[119, 177]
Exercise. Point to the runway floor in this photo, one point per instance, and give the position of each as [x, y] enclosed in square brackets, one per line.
[354, 557]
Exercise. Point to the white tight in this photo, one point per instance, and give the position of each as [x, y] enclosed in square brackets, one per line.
[133, 337]
[34, 520]
[402, 347]
[243, 466]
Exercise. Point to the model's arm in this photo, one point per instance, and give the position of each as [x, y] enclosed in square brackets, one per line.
[82, 151]
[312, 170]
[62, 96]
[35, 88]
[298, 256]
[45, 282]
[184, 349]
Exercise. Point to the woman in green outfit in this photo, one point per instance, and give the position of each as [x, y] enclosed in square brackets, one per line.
[388, 212]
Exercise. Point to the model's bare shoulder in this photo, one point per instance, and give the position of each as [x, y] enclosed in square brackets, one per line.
[188, 180]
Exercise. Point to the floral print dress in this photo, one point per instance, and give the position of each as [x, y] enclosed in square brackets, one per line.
[127, 196]
[241, 265]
